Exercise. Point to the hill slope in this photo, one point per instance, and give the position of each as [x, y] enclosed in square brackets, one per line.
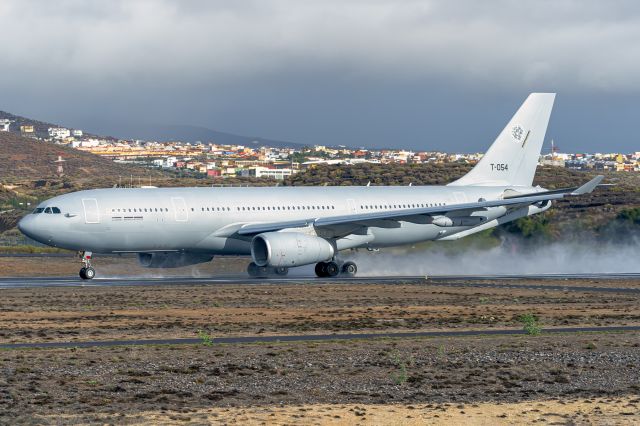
[41, 128]
[27, 159]
[162, 133]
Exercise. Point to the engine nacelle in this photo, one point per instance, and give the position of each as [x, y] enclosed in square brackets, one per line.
[171, 259]
[289, 249]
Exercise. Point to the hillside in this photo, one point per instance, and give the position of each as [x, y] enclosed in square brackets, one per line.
[27, 159]
[163, 133]
[41, 128]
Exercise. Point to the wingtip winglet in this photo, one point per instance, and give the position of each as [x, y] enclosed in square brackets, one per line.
[589, 186]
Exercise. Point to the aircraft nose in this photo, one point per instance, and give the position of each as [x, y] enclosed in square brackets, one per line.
[28, 227]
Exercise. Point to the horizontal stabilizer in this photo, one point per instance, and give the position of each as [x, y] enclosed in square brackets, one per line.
[589, 186]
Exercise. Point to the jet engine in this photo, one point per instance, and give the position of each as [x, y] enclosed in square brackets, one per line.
[171, 259]
[287, 249]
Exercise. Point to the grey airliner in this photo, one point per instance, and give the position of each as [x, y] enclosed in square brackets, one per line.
[284, 227]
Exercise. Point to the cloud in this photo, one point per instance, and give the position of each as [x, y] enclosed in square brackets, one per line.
[422, 74]
[581, 45]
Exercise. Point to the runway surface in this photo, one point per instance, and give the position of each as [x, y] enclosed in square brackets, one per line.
[479, 281]
[308, 337]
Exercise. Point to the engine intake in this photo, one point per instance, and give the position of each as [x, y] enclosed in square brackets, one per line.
[171, 259]
[289, 249]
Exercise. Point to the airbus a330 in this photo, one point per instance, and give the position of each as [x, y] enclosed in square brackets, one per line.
[285, 227]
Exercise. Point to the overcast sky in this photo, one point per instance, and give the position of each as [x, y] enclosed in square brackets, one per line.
[417, 74]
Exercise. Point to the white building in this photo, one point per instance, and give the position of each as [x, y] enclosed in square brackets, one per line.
[59, 132]
[77, 133]
[278, 174]
[91, 143]
[4, 125]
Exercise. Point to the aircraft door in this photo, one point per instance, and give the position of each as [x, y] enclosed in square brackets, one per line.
[91, 212]
[352, 205]
[180, 209]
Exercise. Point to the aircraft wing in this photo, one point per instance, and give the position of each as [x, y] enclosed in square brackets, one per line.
[577, 190]
[416, 215]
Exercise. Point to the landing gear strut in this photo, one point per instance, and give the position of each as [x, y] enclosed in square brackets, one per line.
[266, 271]
[332, 269]
[87, 272]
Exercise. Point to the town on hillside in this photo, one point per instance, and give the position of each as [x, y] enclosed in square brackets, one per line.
[221, 161]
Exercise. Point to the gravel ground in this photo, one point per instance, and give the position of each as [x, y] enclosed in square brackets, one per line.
[102, 313]
[207, 383]
[180, 379]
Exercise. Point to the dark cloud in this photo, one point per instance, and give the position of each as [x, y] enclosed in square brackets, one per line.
[421, 74]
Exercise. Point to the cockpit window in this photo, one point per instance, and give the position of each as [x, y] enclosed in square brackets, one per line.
[38, 210]
[47, 210]
[55, 210]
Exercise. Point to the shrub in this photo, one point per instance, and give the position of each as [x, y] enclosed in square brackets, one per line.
[530, 324]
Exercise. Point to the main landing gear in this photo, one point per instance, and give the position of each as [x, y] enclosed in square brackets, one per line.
[333, 268]
[256, 271]
[87, 272]
[322, 269]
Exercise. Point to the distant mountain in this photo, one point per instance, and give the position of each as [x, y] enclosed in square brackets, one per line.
[187, 133]
[162, 133]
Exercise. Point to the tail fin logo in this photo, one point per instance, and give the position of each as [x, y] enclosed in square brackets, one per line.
[517, 132]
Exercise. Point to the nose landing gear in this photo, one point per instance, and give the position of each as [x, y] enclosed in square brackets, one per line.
[87, 272]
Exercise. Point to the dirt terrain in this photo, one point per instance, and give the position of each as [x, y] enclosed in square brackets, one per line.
[564, 378]
[102, 313]
[183, 382]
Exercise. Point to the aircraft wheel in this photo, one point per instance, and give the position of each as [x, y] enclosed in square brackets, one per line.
[350, 269]
[282, 270]
[83, 273]
[332, 269]
[89, 273]
[253, 270]
[321, 269]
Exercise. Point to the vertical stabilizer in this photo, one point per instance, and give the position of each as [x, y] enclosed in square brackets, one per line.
[513, 157]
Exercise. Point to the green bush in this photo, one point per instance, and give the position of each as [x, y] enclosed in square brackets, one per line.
[531, 325]
[630, 215]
